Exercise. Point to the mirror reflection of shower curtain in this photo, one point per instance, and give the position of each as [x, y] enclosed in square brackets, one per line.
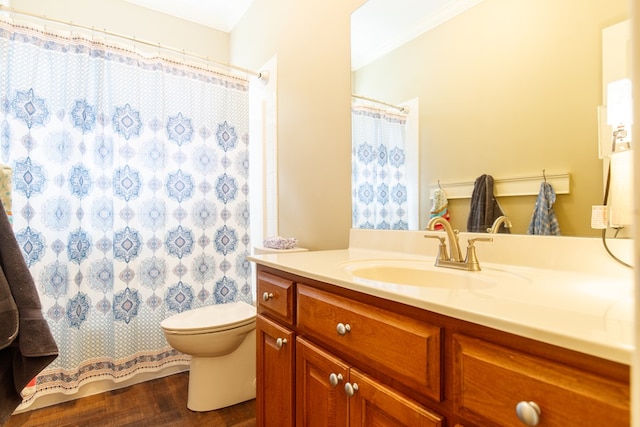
[379, 189]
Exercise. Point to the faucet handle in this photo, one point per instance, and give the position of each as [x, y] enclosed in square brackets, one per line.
[472, 259]
[470, 242]
[442, 248]
[431, 236]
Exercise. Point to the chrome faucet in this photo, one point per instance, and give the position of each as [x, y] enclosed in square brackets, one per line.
[502, 219]
[452, 236]
[453, 259]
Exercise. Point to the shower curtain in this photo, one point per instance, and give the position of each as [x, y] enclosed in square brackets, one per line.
[379, 190]
[130, 196]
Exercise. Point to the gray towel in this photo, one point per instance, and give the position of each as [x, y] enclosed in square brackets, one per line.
[26, 343]
[484, 207]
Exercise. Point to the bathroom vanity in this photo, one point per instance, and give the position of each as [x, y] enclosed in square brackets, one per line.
[338, 345]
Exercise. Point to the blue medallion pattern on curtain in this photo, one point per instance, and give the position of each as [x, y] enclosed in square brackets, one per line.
[379, 192]
[130, 196]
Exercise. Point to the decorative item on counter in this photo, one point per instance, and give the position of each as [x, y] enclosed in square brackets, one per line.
[279, 242]
[544, 221]
[440, 207]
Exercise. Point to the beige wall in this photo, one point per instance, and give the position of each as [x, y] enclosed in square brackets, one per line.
[311, 41]
[508, 88]
[124, 18]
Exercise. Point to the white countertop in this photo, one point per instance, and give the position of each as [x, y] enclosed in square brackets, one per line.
[589, 312]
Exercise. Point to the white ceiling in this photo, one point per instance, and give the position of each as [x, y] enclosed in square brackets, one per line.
[222, 15]
[377, 27]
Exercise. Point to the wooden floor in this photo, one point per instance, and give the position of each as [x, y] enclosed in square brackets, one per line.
[157, 403]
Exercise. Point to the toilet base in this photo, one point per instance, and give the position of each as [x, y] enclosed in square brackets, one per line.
[218, 382]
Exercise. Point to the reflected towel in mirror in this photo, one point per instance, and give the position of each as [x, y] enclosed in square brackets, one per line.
[439, 207]
[484, 206]
[544, 221]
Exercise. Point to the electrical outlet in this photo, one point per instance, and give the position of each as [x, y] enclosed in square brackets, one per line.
[599, 217]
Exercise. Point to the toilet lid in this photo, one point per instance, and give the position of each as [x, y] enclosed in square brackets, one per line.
[217, 317]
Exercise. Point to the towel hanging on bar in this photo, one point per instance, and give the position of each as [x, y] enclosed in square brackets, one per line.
[543, 220]
[484, 207]
[26, 343]
[439, 207]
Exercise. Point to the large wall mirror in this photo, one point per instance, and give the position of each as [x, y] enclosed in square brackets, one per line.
[506, 88]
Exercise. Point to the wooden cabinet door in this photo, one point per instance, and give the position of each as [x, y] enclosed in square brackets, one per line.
[275, 374]
[491, 381]
[374, 404]
[320, 378]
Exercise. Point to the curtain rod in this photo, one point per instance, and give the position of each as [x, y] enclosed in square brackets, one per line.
[403, 109]
[259, 75]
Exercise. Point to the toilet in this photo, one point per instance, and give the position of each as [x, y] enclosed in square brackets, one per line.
[221, 340]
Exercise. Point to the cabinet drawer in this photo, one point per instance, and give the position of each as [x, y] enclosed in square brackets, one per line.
[490, 380]
[275, 296]
[397, 346]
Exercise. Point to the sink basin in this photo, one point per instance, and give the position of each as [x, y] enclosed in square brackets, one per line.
[423, 274]
[403, 275]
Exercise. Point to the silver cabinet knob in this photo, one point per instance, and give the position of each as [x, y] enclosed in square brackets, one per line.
[280, 342]
[528, 413]
[350, 389]
[267, 296]
[343, 328]
[334, 379]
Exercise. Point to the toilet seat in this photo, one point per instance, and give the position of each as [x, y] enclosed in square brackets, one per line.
[210, 319]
